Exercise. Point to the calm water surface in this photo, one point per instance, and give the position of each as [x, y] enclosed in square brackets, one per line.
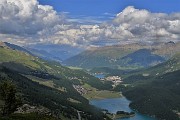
[118, 104]
[99, 75]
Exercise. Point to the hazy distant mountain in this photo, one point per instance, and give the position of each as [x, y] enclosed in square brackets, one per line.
[167, 50]
[55, 52]
[45, 55]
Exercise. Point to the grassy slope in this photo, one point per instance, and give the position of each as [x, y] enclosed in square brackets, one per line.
[28, 63]
[105, 56]
[171, 65]
[100, 94]
[57, 76]
[8, 55]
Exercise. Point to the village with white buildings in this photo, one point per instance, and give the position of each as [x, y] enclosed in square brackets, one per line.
[116, 80]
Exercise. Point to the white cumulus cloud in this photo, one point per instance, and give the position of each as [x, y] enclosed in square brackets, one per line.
[26, 17]
[34, 23]
[130, 25]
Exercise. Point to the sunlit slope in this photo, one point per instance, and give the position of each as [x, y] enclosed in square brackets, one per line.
[100, 57]
[27, 64]
[130, 56]
[173, 64]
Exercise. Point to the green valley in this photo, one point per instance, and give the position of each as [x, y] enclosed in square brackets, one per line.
[89, 59]
[66, 90]
[49, 84]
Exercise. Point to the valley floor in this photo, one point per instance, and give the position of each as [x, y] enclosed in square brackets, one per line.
[100, 94]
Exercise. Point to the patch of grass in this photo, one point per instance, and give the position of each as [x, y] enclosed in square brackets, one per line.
[10, 55]
[73, 100]
[48, 83]
[100, 94]
[74, 68]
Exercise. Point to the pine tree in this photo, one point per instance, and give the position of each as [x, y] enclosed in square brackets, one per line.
[9, 97]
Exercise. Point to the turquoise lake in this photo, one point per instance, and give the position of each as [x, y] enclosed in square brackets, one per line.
[99, 75]
[118, 104]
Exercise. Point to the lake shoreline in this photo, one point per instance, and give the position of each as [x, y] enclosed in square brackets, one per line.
[119, 104]
[114, 104]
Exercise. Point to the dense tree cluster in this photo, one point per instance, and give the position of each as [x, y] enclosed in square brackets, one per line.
[51, 98]
[9, 98]
[159, 97]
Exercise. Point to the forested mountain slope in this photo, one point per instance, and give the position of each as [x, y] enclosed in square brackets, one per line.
[48, 83]
[155, 91]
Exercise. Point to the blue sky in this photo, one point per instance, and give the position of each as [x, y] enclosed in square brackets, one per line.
[96, 9]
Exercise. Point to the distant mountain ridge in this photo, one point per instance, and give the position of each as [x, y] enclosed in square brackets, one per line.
[114, 56]
[47, 52]
[41, 54]
[53, 51]
[143, 57]
[45, 55]
[16, 47]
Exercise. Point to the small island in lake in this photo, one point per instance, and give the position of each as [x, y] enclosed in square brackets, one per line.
[119, 114]
[122, 114]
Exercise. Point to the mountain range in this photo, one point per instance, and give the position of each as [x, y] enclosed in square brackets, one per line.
[130, 56]
[53, 52]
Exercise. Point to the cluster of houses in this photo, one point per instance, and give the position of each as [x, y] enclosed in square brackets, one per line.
[115, 79]
[80, 89]
[76, 78]
[26, 108]
[73, 78]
